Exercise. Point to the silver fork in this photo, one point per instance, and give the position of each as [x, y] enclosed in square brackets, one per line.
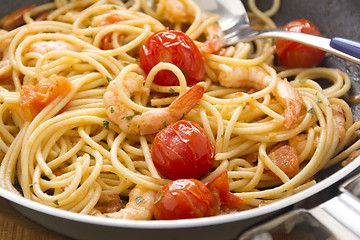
[235, 24]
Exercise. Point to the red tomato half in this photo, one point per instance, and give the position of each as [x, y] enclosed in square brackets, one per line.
[219, 188]
[182, 199]
[294, 55]
[182, 150]
[172, 47]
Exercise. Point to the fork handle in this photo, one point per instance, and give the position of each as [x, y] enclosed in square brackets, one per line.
[345, 48]
[348, 46]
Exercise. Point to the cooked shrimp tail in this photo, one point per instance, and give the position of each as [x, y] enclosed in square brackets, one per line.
[153, 120]
[139, 207]
[156, 119]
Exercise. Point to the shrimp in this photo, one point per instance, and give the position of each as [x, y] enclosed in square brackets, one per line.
[215, 40]
[299, 141]
[33, 99]
[176, 11]
[339, 120]
[150, 121]
[44, 47]
[139, 207]
[15, 19]
[255, 77]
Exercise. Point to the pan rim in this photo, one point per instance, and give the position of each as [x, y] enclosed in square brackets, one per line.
[183, 223]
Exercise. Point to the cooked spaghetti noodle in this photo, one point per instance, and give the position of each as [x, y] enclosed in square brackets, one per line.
[70, 153]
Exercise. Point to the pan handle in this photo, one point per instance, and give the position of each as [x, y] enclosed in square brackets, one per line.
[337, 218]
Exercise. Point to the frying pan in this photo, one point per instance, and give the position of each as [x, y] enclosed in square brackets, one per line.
[334, 18]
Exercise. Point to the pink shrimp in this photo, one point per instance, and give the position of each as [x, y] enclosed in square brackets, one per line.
[151, 121]
[44, 47]
[255, 77]
[176, 11]
[215, 40]
[139, 207]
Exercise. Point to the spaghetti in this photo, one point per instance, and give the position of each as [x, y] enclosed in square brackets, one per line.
[70, 153]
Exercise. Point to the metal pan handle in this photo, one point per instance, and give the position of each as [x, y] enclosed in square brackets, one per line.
[337, 218]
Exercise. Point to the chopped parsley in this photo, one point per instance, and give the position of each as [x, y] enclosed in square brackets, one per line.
[106, 124]
[311, 110]
[159, 196]
[139, 199]
[171, 90]
[164, 124]
[303, 80]
[109, 79]
[185, 73]
[130, 116]
[56, 202]
[111, 110]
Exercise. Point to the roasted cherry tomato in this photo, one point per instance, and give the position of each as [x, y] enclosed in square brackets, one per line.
[172, 47]
[292, 54]
[33, 99]
[182, 199]
[287, 159]
[182, 150]
[219, 188]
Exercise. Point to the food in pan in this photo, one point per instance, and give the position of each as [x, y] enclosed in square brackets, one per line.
[125, 110]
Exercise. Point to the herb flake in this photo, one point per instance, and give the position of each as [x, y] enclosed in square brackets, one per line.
[161, 194]
[311, 110]
[139, 199]
[302, 81]
[106, 124]
[109, 79]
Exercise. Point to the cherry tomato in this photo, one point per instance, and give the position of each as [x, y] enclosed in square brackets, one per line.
[287, 159]
[182, 150]
[33, 99]
[219, 188]
[182, 199]
[172, 47]
[292, 54]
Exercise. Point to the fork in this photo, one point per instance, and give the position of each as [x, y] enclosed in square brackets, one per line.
[235, 24]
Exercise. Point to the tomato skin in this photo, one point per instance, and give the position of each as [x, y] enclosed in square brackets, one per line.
[287, 159]
[296, 55]
[183, 199]
[33, 99]
[219, 188]
[182, 150]
[172, 47]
